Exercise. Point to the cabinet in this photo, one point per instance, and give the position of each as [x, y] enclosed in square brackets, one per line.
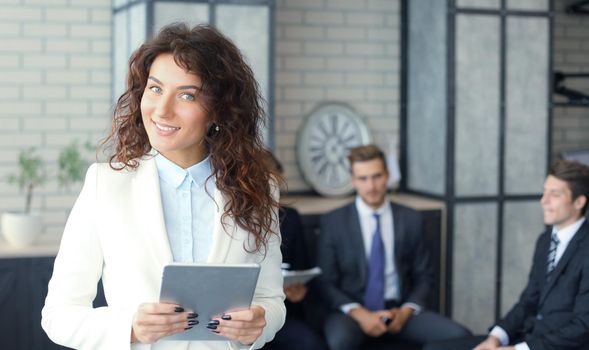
[23, 288]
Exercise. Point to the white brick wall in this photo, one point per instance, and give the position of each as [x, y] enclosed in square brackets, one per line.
[55, 87]
[335, 50]
[571, 55]
[55, 63]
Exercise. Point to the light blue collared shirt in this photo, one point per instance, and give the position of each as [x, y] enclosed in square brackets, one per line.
[188, 209]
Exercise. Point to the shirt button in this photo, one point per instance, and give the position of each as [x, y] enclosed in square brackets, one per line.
[539, 317]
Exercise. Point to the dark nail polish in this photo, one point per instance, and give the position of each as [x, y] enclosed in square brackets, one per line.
[216, 332]
[211, 327]
[178, 309]
[193, 323]
[192, 315]
[187, 328]
[226, 317]
[213, 323]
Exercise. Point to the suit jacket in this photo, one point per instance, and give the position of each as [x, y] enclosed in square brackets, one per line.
[554, 313]
[116, 232]
[342, 257]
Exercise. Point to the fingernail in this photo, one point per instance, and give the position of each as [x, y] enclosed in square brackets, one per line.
[193, 322]
[187, 328]
[216, 332]
[192, 315]
[211, 327]
[226, 317]
[213, 323]
[178, 309]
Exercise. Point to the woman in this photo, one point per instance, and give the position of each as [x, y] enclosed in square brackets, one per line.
[187, 182]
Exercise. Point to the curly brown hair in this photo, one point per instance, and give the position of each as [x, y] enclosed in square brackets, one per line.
[232, 100]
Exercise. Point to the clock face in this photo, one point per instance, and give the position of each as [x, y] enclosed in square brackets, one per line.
[323, 146]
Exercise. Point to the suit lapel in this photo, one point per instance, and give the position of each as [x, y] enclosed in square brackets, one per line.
[565, 259]
[221, 238]
[148, 209]
[356, 240]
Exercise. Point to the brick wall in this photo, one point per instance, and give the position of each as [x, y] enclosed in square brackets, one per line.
[55, 63]
[55, 66]
[335, 50]
[571, 55]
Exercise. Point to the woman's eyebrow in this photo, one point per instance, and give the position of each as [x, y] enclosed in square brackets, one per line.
[183, 87]
[155, 79]
[186, 87]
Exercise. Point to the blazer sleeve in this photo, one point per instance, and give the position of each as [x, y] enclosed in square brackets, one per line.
[269, 293]
[68, 316]
[527, 304]
[421, 268]
[327, 255]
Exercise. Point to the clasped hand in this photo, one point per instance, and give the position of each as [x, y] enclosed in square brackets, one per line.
[372, 323]
[153, 321]
[492, 343]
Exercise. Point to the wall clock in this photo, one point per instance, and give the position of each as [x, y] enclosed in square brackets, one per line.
[323, 144]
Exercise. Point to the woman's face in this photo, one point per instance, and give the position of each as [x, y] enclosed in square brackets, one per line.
[173, 112]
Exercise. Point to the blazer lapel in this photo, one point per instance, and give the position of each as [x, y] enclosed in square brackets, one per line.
[221, 239]
[565, 259]
[149, 211]
[356, 241]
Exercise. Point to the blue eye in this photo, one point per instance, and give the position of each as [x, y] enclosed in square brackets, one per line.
[187, 97]
[155, 89]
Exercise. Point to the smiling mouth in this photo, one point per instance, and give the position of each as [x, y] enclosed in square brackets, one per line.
[165, 127]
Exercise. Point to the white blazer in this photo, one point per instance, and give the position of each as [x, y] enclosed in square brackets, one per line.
[116, 231]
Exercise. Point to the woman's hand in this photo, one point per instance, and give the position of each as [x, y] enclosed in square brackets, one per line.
[153, 321]
[295, 292]
[244, 326]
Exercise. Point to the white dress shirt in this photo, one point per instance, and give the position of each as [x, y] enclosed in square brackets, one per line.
[188, 208]
[565, 236]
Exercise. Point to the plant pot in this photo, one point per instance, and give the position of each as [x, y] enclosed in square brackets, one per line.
[21, 230]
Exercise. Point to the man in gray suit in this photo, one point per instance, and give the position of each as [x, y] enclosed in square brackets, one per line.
[376, 268]
[552, 312]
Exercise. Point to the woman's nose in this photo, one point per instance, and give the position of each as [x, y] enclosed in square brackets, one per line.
[163, 107]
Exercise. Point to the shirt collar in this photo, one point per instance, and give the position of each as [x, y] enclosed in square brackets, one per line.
[365, 210]
[566, 234]
[175, 175]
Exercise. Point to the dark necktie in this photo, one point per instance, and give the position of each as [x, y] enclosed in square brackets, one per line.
[552, 253]
[374, 294]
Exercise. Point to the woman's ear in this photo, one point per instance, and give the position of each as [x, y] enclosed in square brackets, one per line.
[214, 129]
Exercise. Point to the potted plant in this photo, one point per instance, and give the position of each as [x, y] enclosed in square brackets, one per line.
[72, 165]
[21, 229]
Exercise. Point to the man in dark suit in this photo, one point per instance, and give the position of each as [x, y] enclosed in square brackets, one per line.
[553, 310]
[376, 268]
[302, 310]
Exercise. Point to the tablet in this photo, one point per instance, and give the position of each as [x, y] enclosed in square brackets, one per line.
[209, 290]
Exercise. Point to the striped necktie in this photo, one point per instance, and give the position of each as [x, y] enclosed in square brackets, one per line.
[552, 253]
[374, 294]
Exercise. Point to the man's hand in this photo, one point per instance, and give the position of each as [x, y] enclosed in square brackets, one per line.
[370, 322]
[153, 321]
[244, 326]
[490, 343]
[296, 292]
[400, 315]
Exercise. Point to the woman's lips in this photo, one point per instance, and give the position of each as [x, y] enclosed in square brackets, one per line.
[164, 130]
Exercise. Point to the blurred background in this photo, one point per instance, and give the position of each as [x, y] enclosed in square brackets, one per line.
[472, 99]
